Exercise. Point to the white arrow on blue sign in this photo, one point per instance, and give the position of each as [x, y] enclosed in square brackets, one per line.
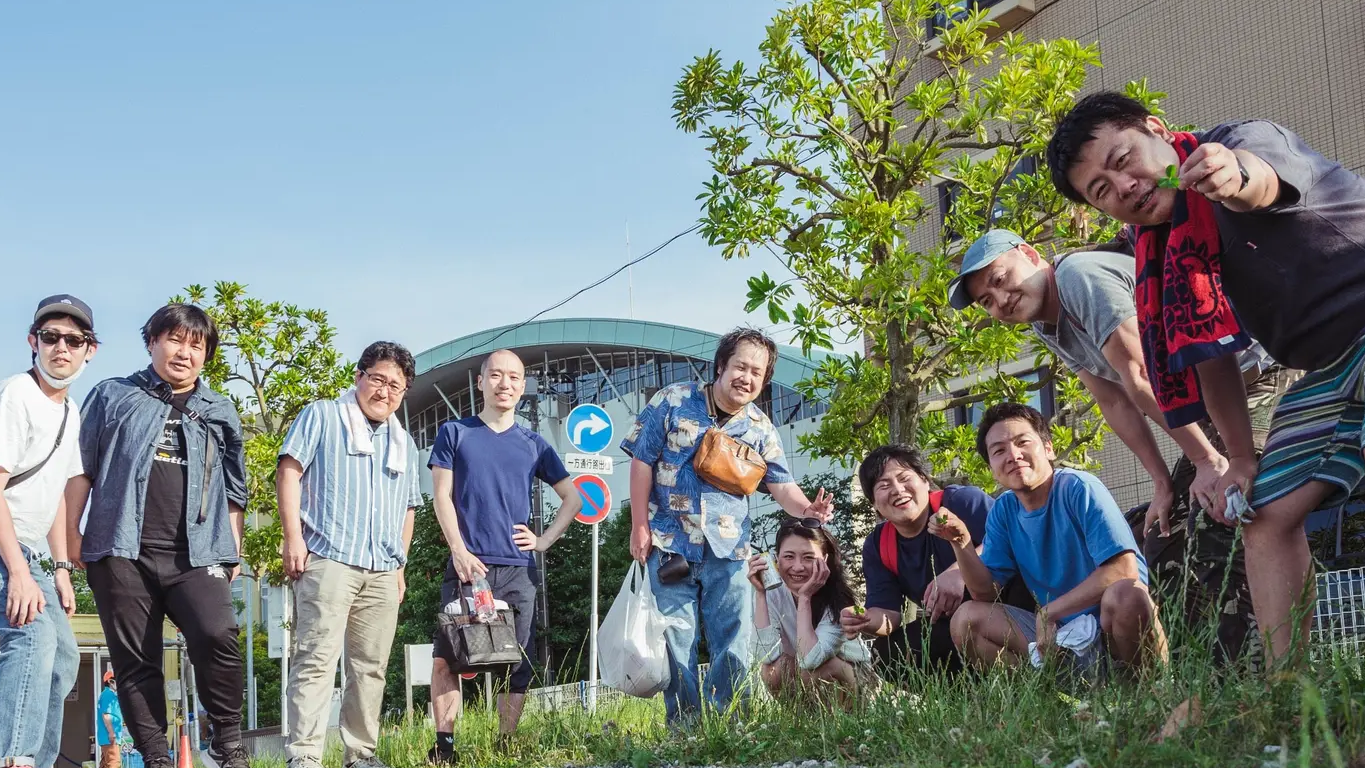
[589, 428]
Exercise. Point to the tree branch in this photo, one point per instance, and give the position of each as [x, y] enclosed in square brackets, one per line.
[871, 417]
[793, 234]
[943, 404]
[792, 170]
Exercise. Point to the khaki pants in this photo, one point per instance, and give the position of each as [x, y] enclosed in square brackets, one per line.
[110, 756]
[334, 604]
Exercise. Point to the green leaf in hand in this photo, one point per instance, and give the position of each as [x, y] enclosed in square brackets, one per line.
[1171, 180]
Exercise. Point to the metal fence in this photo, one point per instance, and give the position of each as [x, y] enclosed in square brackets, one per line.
[1339, 617]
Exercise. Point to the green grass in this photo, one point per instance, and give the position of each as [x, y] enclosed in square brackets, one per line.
[1005, 718]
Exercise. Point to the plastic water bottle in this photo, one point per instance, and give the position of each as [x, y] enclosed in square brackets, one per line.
[484, 609]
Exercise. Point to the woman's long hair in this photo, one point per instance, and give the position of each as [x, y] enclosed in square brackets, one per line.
[836, 594]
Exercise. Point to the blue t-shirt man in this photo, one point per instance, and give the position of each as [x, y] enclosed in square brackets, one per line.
[493, 472]
[1058, 546]
[108, 705]
[921, 558]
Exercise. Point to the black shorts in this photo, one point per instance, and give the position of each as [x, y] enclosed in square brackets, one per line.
[516, 586]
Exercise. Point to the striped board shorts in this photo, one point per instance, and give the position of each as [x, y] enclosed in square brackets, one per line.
[1315, 433]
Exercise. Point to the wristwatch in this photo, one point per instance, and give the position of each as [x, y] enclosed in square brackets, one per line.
[1246, 177]
[66, 564]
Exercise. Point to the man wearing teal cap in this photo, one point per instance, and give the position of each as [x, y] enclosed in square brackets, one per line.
[1082, 308]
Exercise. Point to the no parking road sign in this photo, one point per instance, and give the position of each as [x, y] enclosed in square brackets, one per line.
[589, 428]
[596, 499]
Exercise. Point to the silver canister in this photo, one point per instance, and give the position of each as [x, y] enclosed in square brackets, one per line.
[771, 579]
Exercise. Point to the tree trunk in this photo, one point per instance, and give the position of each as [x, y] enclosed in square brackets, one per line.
[902, 396]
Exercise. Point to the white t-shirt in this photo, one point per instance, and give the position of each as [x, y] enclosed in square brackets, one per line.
[28, 429]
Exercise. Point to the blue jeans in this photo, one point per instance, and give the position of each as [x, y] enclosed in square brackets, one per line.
[38, 665]
[717, 595]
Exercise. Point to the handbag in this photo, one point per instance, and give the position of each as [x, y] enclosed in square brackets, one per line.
[468, 645]
[726, 463]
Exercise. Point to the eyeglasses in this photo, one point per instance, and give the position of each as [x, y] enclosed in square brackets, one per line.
[380, 382]
[812, 523]
[51, 337]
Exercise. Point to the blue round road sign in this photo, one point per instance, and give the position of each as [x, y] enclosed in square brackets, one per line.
[589, 428]
[596, 499]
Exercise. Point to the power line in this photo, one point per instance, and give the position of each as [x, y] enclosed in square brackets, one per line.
[584, 290]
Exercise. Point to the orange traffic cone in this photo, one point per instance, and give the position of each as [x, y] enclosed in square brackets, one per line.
[185, 760]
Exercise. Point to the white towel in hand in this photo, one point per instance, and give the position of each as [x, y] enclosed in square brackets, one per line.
[360, 441]
[1075, 636]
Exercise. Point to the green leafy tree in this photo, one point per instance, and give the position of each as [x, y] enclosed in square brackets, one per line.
[830, 154]
[568, 582]
[273, 359]
[267, 678]
[424, 572]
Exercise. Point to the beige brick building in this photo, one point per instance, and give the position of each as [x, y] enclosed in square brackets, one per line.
[1300, 63]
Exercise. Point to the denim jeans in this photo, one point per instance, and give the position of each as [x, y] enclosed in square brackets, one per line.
[715, 594]
[38, 665]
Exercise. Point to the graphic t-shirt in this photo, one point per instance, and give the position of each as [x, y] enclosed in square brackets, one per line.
[29, 422]
[108, 705]
[163, 521]
[492, 482]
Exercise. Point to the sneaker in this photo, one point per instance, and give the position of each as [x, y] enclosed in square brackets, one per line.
[437, 757]
[367, 762]
[233, 756]
[304, 762]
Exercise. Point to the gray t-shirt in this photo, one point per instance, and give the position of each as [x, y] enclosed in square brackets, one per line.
[1096, 292]
[1295, 272]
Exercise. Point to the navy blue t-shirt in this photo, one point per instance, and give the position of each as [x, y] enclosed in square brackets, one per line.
[922, 557]
[492, 482]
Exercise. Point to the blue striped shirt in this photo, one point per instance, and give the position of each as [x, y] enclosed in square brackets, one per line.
[352, 507]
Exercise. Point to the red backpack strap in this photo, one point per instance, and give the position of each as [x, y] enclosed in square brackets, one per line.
[886, 547]
[935, 501]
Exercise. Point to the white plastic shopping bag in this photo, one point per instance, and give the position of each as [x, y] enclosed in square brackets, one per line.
[631, 652]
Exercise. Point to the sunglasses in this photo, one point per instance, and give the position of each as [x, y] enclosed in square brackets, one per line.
[812, 523]
[51, 337]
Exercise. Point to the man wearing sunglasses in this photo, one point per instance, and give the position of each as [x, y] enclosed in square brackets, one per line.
[39, 450]
[165, 476]
[348, 489]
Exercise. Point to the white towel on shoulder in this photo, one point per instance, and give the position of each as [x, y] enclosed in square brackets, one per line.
[360, 441]
[1075, 636]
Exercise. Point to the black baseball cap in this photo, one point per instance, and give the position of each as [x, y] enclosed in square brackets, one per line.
[65, 304]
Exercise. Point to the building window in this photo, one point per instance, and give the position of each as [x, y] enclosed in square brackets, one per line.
[1043, 399]
[953, 12]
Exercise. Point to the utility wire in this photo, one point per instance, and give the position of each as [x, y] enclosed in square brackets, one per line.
[584, 290]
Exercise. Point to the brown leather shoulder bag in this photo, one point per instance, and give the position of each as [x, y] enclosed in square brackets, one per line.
[727, 463]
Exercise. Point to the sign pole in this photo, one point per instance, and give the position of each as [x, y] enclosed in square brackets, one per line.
[592, 631]
[590, 430]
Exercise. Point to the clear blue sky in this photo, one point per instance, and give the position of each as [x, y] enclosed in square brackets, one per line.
[421, 170]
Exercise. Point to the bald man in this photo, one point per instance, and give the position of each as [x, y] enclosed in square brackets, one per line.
[482, 468]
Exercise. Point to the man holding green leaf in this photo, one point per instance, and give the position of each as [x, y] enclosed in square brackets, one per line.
[1263, 239]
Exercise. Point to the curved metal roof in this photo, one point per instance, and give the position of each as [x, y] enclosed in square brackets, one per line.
[571, 336]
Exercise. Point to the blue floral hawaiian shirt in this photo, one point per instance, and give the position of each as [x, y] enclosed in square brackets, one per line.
[686, 513]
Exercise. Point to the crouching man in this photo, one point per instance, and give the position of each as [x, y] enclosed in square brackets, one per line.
[1062, 531]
